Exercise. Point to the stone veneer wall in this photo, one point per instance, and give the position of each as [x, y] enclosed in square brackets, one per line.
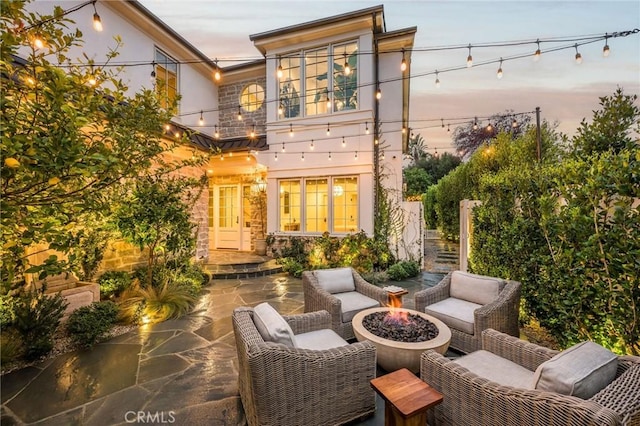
[122, 256]
[229, 100]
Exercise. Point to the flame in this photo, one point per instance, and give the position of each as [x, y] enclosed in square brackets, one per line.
[395, 315]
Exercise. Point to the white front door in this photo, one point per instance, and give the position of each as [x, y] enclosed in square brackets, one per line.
[227, 213]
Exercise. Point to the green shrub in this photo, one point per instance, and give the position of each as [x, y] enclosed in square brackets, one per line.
[403, 269]
[112, 283]
[36, 318]
[10, 345]
[88, 324]
[151, 304]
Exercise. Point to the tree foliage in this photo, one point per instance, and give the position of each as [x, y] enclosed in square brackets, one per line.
[68, 145]
[468, 138]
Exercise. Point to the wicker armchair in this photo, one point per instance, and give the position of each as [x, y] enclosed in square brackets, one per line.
[280, 385]
[471, 400]
[319, 296]
[499, 314]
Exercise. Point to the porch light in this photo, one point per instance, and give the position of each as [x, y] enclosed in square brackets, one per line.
[338, 191]
[97, 23]
[260, 185]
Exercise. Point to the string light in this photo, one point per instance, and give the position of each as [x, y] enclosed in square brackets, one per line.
[578, 55]
[375, 141]
[329, 155]
[347, 68]
[403, 64]
[499, 74]
[329, 100]
[448, 128]
[605, 49]
[536, 56]
[230, 153]
[475, 123]
[344, 143]
[248, 156]
[276, 157]
[152, 76]
[280, 70]
[302, 157]
[489, 127]
[514, 124]
[469, 58]
[167, 127]
[38, 42]
[442, 121]
[382, 155]
[252, 135]
[97, 23]
[366, 127]
[92, 80]
[356, 156]
[378, 93]
[283, 148]
[221, 157]
[290, 130]
[201, 121]
[437, 80]
[216, 134]
[311, 147]
[328, 129]
[239, 114]
[280, 109]
[404, 130]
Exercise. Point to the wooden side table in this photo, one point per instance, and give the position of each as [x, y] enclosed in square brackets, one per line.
[406, 397]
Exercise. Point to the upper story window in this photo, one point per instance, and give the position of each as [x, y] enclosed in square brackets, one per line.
[252, 97]
[166, 78]
[327, 82]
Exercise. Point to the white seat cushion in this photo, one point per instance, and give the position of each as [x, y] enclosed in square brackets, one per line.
[354, 302]
[582, 370]
[456, 313]
[320, 340]
[475, 288]
[271, 326]
[497, 369]
[337, 280]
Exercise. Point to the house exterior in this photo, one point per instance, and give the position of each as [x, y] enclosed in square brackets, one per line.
[300, 132]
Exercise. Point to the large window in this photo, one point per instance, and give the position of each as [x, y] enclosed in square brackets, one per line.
[327, 82]
[330, 204]
[166, 78]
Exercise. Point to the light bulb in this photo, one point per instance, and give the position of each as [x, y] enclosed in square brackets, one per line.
[499, 74]
[239, 114]
[378, 94]
[536, 56]
[437, 81]
[347, 69]
[514, 124]
[217, 76]
[92, 81]
[403, 65]
[605, 50]
[38, 43]
[344, 143]
[280, 109]
[489, 127]
[366, 127]
[280, 72]
[311, 147]
[201, 120]
[469, 59]
[216, 133]
[356, 156]
[578, 58]
[253, 132]
[290, 131]
[329, 155]
[302, 157]
[283, 148]
[276, 157]
[328, 130]
[97, 23]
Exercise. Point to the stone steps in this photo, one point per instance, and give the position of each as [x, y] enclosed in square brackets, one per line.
[229, 271]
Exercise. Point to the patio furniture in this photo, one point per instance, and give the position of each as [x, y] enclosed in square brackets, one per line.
[513, 382]
[470, 303]
[342, 292]
[303, 373]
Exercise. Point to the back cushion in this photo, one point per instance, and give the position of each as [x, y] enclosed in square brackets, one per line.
[582, 370]
[338, 280]
[271, 326]
[475, 288]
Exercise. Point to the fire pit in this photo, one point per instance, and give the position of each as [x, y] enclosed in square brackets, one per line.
[393, 354]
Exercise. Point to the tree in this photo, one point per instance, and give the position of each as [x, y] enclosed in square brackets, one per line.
[439, 166]
[469, 137]
[417, 181]
[611, 127]
[71, 138]
[417, 148]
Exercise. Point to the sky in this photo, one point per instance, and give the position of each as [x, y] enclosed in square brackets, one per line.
[565, 91]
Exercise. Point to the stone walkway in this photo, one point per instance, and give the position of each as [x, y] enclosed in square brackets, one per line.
[181, 371]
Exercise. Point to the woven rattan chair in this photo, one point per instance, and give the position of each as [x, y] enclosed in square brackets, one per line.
[471, 400]
[317, 297]
[500, 314]
[281, 386]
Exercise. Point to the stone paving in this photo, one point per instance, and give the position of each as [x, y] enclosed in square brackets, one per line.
[182, 371]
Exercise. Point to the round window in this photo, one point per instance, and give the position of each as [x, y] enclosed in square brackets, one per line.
[252, 97]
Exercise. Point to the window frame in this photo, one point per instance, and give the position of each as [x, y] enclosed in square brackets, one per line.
[300, 226]
[163, 67]
[259, 95]
[296, 102]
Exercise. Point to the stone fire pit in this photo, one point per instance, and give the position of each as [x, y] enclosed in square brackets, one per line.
[393, 355]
